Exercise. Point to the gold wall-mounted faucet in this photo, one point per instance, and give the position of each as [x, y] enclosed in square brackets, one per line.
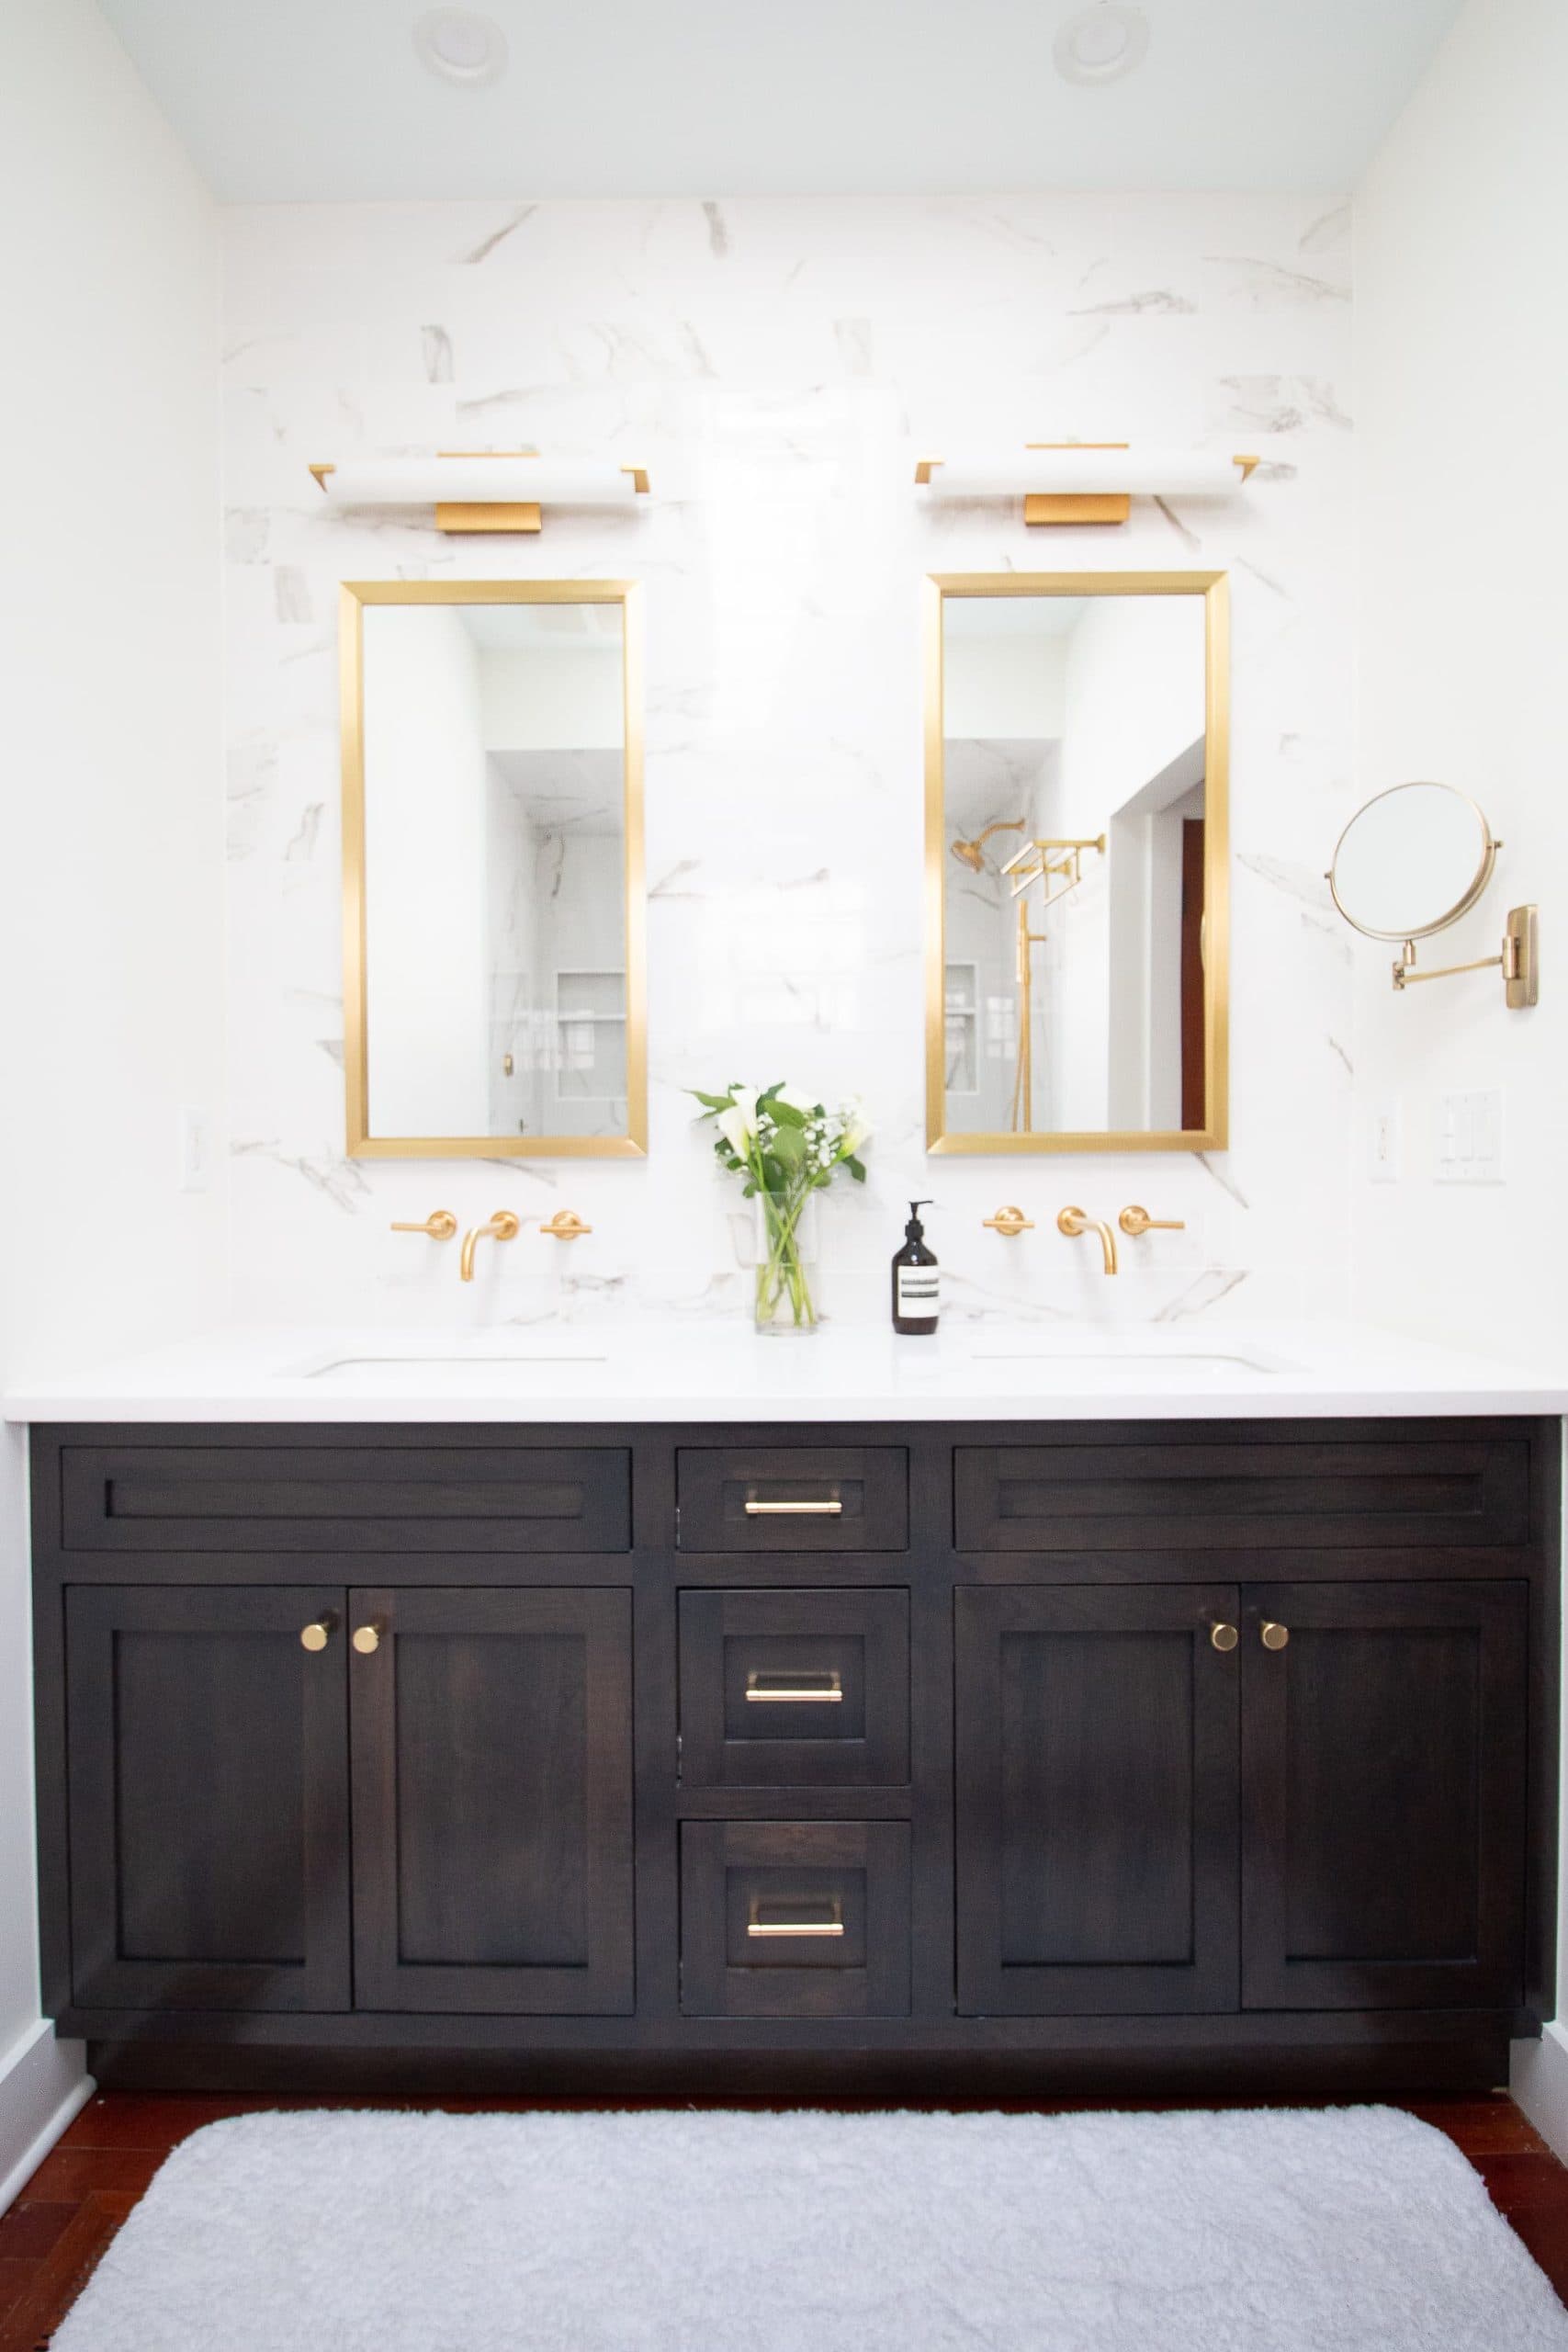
[1135, 1221]
[1072, 1222]
[440, 1226]
[1011, 1222]
[565, 1226]
[502, 1227]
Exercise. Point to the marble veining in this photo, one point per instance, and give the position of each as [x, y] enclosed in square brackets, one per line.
[778, 365]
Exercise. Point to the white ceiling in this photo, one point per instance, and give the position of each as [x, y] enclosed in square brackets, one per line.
[288, 100]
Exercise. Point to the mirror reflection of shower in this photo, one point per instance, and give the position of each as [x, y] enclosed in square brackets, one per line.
[1073, 763]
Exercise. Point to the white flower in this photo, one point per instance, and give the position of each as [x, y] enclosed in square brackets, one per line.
[857, 1130]
[736, 1128]
[796, 1101]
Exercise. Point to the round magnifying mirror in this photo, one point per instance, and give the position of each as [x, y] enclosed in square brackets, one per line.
[1414, 860]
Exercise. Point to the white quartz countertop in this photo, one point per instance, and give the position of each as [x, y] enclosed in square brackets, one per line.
[971, 1370]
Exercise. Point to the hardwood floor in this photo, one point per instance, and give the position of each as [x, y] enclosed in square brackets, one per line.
[50, 2239]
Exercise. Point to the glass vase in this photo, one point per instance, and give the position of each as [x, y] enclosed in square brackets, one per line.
[785, 1270]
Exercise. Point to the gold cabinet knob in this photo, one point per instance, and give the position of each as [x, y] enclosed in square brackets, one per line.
[440, 1224]
[367, 1638]
[319, 1632]
[1010, 1221]
[1135, 1220]
[566, 1226]
[1274, 1636]
[1224, 1638]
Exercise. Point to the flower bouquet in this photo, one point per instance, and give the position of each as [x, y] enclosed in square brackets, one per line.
[787, 1148]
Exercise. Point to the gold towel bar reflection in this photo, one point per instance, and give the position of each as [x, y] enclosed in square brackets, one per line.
[833, 1927]
[792, 1694]
[795, 1510]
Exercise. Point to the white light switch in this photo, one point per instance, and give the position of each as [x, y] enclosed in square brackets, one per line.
[1387, 1146]
[1469, 1139]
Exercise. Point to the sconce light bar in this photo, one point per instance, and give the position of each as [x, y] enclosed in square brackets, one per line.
[1080, 482]
[479, 489]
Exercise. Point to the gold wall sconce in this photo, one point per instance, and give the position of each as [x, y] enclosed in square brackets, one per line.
[1084, 481]
[1414, 860]
[483, 489]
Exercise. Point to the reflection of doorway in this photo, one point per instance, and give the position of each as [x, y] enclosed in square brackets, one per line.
[1194, 1090]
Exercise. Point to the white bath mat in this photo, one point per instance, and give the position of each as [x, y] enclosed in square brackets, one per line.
[1351, 2230]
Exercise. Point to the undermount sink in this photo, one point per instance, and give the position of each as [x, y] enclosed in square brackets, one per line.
[1172, 1360]
[444, 1359]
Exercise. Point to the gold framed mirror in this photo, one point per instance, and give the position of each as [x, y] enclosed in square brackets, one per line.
[494, 989]
[1077, 861]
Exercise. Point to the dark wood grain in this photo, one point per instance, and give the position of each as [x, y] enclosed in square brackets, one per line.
[804, 1637]
[1097, 1791]
[209, 1829]
[492, 1801]
[856, 1873]
[1384, 1796]
[870, 1484]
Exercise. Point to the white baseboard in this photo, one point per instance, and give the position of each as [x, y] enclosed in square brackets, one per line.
[1538, 2076]
[43, 2082]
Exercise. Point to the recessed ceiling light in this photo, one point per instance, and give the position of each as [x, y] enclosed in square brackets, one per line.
[1101, 44]
[460, 46]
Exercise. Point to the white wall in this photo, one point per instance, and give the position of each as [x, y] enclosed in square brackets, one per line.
[778, 374]
[111, 924]
[1463, 354]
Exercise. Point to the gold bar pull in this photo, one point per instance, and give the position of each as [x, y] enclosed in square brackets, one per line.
[757, 1925]
[367, 1638]
[1137, 1220]
[763, 1691]
[440, 1224]
[1274, 1636]
[755, 1509]
[319, 1632]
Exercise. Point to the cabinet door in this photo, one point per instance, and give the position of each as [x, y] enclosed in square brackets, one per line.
[1096, 1799]
[492, 1800]
[1383, 1776]
[208, 1797]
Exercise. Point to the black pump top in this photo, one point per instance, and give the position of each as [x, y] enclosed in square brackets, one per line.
[915, 1230]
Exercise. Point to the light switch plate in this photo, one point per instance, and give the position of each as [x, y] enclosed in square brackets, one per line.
[1468, 1143]
[1387, 1145]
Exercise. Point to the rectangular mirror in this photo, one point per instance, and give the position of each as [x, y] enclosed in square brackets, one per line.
[494, 869]
[1077, 862]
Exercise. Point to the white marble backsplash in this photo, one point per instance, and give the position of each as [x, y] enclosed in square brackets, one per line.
[778, 366]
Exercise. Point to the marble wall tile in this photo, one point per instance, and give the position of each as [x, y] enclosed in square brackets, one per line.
[779, 364]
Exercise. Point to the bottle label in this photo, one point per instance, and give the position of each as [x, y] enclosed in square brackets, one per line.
[919, 1292]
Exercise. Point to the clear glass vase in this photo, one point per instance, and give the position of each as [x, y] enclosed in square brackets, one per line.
[785, 1271]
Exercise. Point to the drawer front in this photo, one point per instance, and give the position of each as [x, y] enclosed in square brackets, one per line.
[794, 1919]
[346, 1499]
[1209, 1495]
[793, 1498]
[794, 1689]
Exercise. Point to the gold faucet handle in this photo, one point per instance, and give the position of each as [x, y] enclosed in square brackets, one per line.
[1072, 1222]
[1010, 1221]
[1135, 1220]
[566, 1226]
[440, 1224]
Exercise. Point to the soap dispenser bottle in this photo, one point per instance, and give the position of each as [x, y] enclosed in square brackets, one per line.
[916, 1284]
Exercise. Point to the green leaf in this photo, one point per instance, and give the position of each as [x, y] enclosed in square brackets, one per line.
[856, 1168]
[789, 1145]
[713, 1102]
[786, 1115]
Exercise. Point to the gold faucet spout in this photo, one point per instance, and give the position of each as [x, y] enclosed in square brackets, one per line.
[502, 1227]
[1072, 1222]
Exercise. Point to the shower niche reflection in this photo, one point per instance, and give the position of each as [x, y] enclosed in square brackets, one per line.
[1076, 849]
[493, 848]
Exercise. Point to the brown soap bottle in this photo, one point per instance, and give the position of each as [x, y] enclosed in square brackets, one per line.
[916, 1283]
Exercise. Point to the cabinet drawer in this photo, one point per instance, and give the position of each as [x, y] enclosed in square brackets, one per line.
[798, 1688]
[1240, 1492]
[346, 1499]
[794, 1919]
[793, 1498]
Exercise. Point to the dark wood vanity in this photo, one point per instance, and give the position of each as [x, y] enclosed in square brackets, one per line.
[1085, 1757]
